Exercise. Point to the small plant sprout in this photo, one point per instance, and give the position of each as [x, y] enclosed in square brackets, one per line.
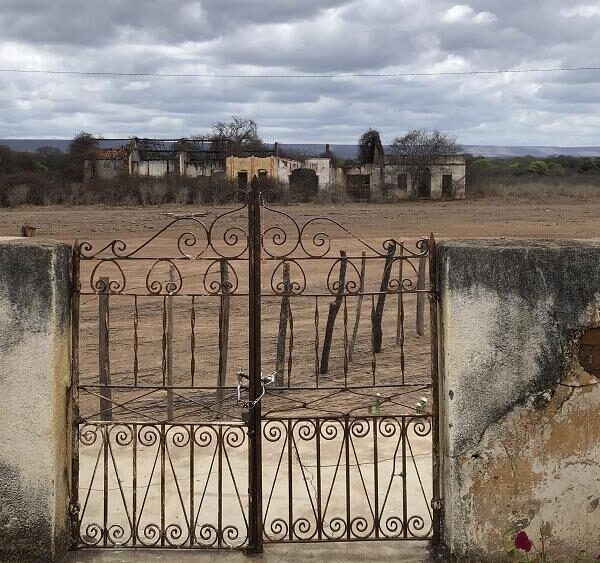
[421, 405]
[375, 408]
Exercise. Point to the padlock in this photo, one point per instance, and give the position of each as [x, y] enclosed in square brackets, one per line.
[245, 412]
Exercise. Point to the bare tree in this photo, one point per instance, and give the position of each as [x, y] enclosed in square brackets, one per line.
[239, 133]
[418, 149]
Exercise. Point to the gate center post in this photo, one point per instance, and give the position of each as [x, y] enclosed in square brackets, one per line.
[255, 537]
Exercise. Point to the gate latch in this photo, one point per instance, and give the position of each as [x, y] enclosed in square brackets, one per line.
[437, 504]
[242, 387]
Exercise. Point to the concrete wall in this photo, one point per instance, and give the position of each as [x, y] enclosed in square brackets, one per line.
[519, 414]
[109, 168]
[322, 166]
[155, 168]
[456, 170]
[275, 167]
[35, 335]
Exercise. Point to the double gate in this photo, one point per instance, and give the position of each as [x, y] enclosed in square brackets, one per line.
[254, 378]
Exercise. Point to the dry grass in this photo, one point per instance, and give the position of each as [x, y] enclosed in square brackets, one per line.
[537, 190]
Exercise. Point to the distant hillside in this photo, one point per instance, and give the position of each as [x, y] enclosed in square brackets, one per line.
[341, 151]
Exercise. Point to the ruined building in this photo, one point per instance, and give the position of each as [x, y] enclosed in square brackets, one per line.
[384, 176]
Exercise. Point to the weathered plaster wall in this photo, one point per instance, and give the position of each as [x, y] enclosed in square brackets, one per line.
[109, 168]
[456, 170]
[34, 380]
[322, 166]
[197, 169]
[519, 415]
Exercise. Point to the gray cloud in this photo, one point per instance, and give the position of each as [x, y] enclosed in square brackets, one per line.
[309, 36]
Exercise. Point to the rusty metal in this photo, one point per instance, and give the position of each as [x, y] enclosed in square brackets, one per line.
[133, 519]
[255, 540]
[342, 443]
[74, 420]
[321, 504]
[436, 503]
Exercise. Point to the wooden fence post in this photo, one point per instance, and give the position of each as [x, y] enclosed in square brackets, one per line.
[377, 320]
[421, 297]
[223, 330]
[334, 307]
[104, 349]
[284, 317]
[363, 267]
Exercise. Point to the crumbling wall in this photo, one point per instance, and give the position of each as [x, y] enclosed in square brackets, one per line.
[519, 413]
[35, 425]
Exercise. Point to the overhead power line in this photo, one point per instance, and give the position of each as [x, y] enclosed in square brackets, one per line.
[335, 75]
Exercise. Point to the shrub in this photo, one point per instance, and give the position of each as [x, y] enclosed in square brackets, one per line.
[18, 195]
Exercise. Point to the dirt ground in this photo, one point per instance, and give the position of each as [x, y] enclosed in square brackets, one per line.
[556, 218]
[196, 321]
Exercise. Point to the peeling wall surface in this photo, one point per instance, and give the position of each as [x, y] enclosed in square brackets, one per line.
[322, 166]
[520, 416]
[35, 332]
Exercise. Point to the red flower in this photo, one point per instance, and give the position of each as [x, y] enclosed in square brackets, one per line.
[523, 542]
[598, 557]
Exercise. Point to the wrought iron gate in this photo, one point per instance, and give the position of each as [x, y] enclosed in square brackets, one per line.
[305, 411]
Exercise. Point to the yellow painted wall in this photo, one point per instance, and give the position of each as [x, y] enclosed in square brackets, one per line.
[252, 165]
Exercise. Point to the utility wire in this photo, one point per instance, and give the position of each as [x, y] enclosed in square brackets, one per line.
[337, 75]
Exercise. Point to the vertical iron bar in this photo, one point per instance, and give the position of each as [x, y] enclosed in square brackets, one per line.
[347, 447]
[345, 342]
[74, 411]
[105, 488]
[220, 487]
[134, 500]
[376, 476]
[290, 344]
[290, 442]
[104, 349]
[193, 340]
[164, 342]
[421, 296]
[284, 317]
[192, 516]
[403, 434]
[319, 513]
[437, 508]
[373, 355]
[169, 339]
[224, 310]
[162, 445]
[255, 539]
[317, 344]
[135, 340]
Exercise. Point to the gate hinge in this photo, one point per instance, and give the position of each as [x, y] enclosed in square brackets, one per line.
[74, 509]
[434, 296]
[437, 503]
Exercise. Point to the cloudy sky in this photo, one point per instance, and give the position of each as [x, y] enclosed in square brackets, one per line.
[283, 37]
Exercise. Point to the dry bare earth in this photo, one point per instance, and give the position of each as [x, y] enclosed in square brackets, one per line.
[373, 223]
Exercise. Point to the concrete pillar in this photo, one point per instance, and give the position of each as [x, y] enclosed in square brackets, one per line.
[520, 404]
[35, 366]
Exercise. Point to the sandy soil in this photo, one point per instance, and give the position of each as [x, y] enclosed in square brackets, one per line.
[558, 218]
[196, 349]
